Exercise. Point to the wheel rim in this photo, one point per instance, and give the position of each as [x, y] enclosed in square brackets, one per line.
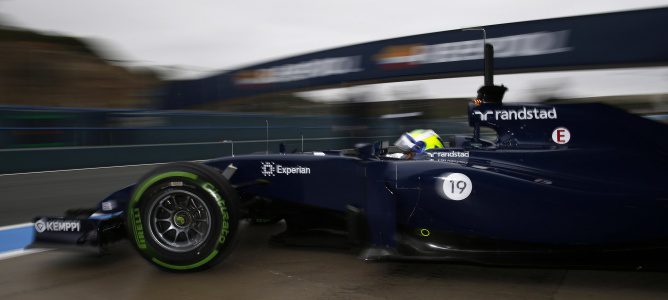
[179, 220]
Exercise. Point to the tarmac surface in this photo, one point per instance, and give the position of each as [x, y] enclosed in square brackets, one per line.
[25, 196]
[260, 270]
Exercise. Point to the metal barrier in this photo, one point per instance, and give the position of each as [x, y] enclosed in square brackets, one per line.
[58, 158]
[26, 127]
[41, 139]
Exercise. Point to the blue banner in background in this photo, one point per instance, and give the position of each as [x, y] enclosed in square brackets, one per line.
[586, 42]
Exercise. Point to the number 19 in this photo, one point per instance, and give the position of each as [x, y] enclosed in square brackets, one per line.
[460, 185]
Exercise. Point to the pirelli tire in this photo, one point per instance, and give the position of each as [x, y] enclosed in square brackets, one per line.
[183, 217]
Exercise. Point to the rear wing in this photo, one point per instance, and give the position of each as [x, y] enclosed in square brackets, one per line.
[587, 125]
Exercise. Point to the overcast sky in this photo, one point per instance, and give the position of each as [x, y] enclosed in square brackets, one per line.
[209, 35]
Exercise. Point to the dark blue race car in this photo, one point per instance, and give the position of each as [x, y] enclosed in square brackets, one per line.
[566, 185]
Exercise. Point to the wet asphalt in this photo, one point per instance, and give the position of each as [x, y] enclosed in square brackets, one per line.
[258, 269]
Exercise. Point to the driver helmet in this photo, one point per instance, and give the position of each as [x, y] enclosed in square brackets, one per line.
[418, 141]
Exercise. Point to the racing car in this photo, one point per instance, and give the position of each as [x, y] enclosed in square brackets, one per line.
[561, 184]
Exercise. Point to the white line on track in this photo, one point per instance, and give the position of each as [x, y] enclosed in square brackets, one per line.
[89, 169]
[8, 227]
[82, 169]
[181, 144]
[20, 252]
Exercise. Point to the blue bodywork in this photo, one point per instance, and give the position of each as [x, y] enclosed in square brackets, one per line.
[602, 187]
[605, 186]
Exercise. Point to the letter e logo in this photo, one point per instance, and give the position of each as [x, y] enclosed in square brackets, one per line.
[561, 135]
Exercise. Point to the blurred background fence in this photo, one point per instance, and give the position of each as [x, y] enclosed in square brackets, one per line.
[66, 103]
[40, 138]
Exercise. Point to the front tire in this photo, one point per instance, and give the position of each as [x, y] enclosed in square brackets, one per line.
[183, 217]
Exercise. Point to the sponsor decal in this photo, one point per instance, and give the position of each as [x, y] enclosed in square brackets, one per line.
[300, 71]
[450, 156]
[399, 57]
[530, 44]
[43, 225]
[454, 186]
[514, 114]
[561, 135]
[270, 168]
[40, 226]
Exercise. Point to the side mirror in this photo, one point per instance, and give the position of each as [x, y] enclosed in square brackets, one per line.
[366, 151]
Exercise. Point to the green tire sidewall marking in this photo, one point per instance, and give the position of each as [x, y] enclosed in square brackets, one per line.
[138, 230]
[147, 183]
[225, 222]
[188, 267]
